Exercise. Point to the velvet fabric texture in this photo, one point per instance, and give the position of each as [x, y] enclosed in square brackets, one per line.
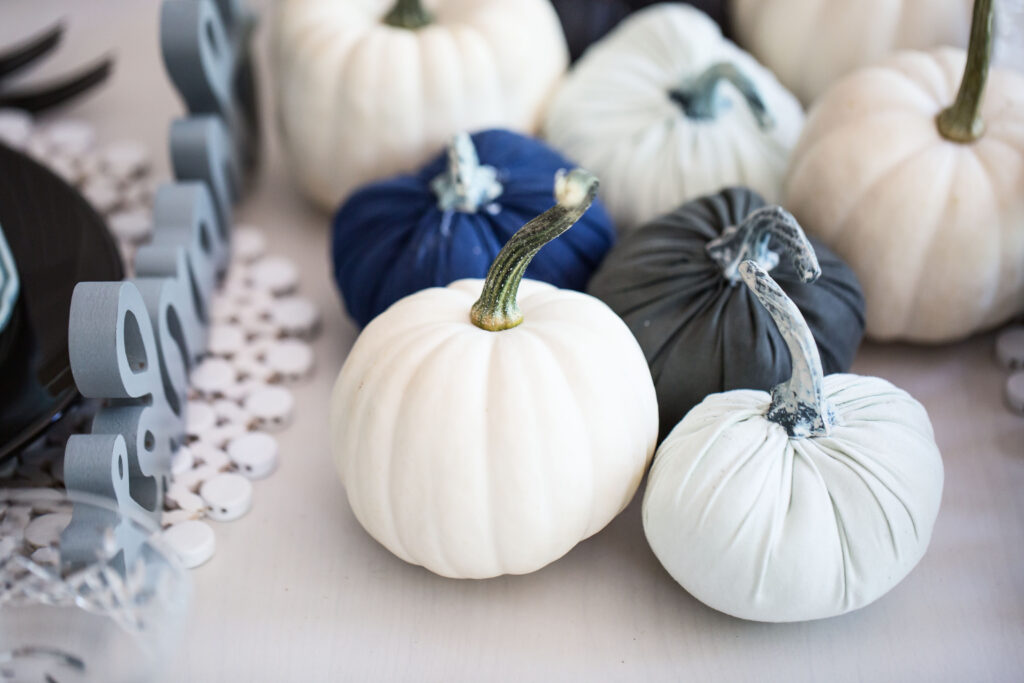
[390, 239]
[704, 334]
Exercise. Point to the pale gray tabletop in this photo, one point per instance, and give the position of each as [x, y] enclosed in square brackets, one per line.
[298, 592]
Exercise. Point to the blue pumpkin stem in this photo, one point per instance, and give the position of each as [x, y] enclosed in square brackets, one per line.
[799, 403]
[497, 308]
[750, 240]
[466, 185]
[408, 14]
[961, 121]
[700, 99]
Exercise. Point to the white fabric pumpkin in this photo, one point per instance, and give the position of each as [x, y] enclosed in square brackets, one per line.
[933, 228]
[477, 453]
[359, 100]
[763, 515]
[811, 43]
[615, 114]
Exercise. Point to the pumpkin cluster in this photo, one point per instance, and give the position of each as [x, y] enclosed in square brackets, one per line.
[513, 378]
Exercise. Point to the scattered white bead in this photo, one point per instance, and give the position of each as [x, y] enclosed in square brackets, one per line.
[180, 496]
[102, 194]
[8, 545]
[248, 243]
[295, 316]
[15, 127]
[255, 454]
[228, 496]
[252, 367]
[276, 274]
[66, 168]
[229, 411]
[1015, 391]
[46, 556]
[46, 529]
[270, 407]
[171, 517]
[213, 377]
[220, 435]
[182, 460]
[1010, 347]
[225, 339]
[70, 136]
[39, 149]
[125, 159]
[241, 391]
[192, 479]
[16, 517]
[212, 457]
[290, 359]
[192, 541]
[200, 418]
[133, 226]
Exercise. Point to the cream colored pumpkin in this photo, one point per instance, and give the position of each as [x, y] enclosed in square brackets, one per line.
[811, 43]
[477, 452]
[359, 99]
[664, 109]
[805, 503]
[933, 228]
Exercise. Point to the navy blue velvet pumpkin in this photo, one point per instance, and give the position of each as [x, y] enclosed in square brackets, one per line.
[446, 222]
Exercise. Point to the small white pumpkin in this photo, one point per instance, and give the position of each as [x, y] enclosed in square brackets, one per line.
[664, 109]
[811, 43]
[364, 93]
[803, 504]
[924, 202]
[477, 446]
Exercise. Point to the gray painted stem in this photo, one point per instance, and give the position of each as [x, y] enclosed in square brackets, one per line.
[699, 98]
[497, 308]
[466, 185]
[750, 240]
[799, 403]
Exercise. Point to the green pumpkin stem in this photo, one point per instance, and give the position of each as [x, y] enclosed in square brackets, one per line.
[466, 185]
[750, 240]
[699, 98]
[408, 14]
[962, 122]
[497, 308]
[799, 403]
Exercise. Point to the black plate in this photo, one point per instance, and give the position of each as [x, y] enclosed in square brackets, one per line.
[57, 240]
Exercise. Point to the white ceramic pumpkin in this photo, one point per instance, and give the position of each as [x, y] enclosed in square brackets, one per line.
[365, 93]
[927, 210]
[664, 109]
[801, 504]
[811, 43]
[477, 446]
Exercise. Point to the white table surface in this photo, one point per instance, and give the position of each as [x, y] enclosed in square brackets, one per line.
[298, 592]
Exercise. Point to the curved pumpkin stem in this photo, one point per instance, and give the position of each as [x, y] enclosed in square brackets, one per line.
[408, 14]
[497, 308]
[799, 403]
[699, 98]
[466, 185]
[750, 240]
[962, 122]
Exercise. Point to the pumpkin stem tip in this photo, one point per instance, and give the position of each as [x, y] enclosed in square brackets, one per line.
[799, 404]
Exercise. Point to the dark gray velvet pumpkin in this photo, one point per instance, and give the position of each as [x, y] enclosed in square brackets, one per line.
[701, 329]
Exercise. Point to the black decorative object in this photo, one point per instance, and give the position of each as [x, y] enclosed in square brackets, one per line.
[675, 283]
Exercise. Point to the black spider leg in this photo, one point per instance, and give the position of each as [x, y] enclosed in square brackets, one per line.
[20, 56]
[35, 99]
